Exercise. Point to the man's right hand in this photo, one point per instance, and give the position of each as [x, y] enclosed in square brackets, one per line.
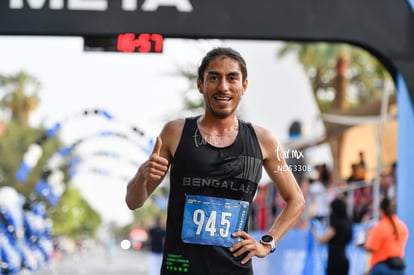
[156, 167]
[149, 175]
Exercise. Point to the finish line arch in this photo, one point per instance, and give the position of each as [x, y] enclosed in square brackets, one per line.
[384, 28]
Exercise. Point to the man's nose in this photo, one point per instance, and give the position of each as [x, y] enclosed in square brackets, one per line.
[223, 84]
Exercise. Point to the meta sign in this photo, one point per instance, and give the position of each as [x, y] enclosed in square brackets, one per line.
[101, 5]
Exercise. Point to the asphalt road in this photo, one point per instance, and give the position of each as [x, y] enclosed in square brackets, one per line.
[98, 261]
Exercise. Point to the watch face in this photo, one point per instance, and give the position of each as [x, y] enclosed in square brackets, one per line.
[267, 238]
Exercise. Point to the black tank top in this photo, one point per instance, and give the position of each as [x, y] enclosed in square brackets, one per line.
[199, 168]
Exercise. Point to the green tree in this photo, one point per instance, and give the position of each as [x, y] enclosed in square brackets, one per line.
[342, 77]
[13, 145]
[73, 216]
[19, 99]
[20, 96]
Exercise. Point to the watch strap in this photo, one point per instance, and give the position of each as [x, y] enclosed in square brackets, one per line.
[268, 240]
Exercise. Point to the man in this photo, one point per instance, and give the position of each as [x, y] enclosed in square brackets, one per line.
[216, 163]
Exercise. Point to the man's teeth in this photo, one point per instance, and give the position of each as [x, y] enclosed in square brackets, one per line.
[222, 98]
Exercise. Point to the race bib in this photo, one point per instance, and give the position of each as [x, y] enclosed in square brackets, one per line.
[211, 221]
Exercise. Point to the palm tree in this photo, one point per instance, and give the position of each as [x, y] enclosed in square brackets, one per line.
[342, 77]
[18, 98]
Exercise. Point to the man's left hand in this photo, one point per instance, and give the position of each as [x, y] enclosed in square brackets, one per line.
[249, 246]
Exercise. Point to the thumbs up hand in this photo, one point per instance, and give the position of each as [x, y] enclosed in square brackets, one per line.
[157, 146]
[148, 177]
[156, 167]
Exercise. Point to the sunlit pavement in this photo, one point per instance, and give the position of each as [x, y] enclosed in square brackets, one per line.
[98, 261]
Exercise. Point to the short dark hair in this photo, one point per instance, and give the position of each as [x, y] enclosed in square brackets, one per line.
[222, 51]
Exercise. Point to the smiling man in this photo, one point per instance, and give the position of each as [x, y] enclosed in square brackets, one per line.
[216, 163]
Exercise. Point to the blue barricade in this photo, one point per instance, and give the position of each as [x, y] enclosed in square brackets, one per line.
[298, 253]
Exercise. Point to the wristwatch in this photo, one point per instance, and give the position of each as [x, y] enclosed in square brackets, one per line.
[268, 240]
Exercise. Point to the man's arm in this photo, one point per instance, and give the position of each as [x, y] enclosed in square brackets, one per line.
[283, 179]
[151, 173]
[289, 190]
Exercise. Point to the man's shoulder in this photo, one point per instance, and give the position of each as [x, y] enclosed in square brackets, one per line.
[180, 121]
[171, 134]
[175, 122]
[259, 129]
[264, 134]
[173, 128]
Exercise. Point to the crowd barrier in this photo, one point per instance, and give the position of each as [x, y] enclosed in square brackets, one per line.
[298, 253]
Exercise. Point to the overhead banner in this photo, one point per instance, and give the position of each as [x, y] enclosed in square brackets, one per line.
[258, 19]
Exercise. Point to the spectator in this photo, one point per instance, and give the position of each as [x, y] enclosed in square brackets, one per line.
[357, 173]
[387, 186]
[157, 236]
[324, 174]
[337, 236]
[362, 203]
[386, 241]
[318, 200]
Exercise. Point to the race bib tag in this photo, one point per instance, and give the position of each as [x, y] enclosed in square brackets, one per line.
[211, 221]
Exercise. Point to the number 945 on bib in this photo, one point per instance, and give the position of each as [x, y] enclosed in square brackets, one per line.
[211, 220]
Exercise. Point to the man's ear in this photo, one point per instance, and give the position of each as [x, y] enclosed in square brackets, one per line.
[245, 84]
[200, 85]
